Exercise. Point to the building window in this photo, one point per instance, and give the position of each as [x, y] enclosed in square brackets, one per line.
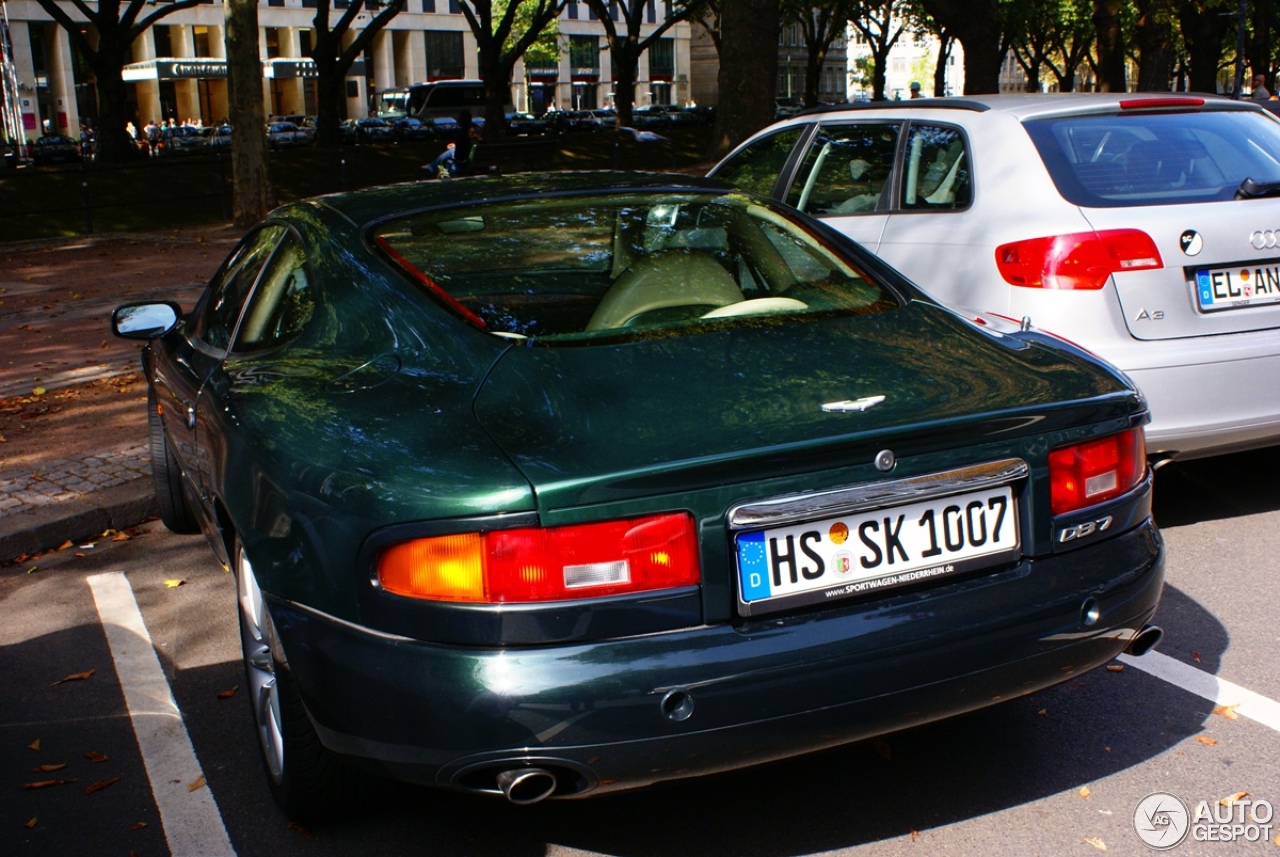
[573, 10]
[273, 41]
[304, 43]
[584, 52]
[444, 54]
[200, 41]
[428, 5]
[164, 40]
[662, 58]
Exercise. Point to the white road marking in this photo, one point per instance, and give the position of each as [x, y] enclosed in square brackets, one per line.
[192, 824]
[1219, 691]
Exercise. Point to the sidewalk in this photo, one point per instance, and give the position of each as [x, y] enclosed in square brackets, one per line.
[73, 447]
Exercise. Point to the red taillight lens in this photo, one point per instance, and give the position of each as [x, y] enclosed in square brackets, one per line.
[546, 564]
[1084, 260]
[1090, 473]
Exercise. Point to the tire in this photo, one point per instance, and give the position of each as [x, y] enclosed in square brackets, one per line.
[166, 477]
[307, 781]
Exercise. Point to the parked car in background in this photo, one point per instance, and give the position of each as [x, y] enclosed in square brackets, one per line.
[573, 121]
[1138, 225]
[217, 138]
[525, 125]
[183, 140]
[653, 117]
[55, 149]
[410, 130]
[285, 135]
[679, 481]
[372, 130]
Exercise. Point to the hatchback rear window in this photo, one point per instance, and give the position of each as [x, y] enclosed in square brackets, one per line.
[570, 268]
[1138, 159]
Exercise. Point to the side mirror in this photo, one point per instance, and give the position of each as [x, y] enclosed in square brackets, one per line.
[145, 320]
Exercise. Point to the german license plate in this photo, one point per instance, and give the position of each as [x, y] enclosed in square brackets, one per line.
[866, 552]
[1234, 288]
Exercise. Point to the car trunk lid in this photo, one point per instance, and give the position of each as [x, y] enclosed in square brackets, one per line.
[665, 415]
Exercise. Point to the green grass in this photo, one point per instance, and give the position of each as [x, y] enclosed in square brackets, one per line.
[184, 190]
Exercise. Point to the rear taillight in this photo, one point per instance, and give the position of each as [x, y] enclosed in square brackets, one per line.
[546, 564]
[1084, 260]
[1093, 472]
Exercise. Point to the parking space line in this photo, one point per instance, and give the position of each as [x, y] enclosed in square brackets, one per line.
[1219, 691]
[192, 823]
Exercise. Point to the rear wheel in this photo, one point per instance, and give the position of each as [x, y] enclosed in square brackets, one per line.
[166, 476]
[306, 779]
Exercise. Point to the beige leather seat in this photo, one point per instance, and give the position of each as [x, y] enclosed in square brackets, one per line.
[668, 278]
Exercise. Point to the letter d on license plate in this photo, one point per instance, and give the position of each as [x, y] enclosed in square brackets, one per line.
[865, 552]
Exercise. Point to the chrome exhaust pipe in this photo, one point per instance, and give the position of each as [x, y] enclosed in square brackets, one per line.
[1144, 641]
[523, 786]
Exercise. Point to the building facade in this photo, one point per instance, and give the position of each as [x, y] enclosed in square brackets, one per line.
[179, 65]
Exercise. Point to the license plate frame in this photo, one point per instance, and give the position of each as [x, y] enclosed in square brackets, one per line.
[1240, 286]
[858, 553]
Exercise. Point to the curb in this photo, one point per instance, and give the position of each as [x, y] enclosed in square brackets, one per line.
[117, 508]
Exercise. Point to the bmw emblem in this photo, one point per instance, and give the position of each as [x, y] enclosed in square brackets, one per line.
[1191, 242]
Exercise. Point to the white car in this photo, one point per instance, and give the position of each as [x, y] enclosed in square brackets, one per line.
[1145, 227]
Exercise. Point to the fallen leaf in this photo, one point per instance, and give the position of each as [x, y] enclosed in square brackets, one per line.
[64, 545]
[48, 769]
[1233, 799]
[102, 784]
[1114, 668]
[30, 824]
[174, 584]
[1196, 655]
[1042, 712]
[39, 391]
[139, 825]
[95, 756]
[1096, 843]
[227, 694]
[198, 783]
[33, 569]
[1206, 740]
[1227, 711]
[915, 835]
[75, 677]
[34, 745]
[1084, 791]
[121, 537]
[44, 784]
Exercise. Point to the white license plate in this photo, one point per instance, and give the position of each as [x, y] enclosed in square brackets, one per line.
[1234, 288]
[867, 552]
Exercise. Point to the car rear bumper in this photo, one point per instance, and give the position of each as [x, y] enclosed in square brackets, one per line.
[626, 713]
[1214, 398]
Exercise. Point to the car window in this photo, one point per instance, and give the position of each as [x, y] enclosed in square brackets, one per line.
[1157, 159]
[216, 319]
[756, 166]
[846, 169]
[935, 169]
[283, 301]
[566, 269]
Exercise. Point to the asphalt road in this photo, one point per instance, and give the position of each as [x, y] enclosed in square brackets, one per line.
[1058, 773]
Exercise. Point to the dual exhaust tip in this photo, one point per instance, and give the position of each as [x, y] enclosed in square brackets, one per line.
[524, 786]
[1144, 640]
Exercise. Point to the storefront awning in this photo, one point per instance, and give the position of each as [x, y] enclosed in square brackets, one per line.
[197, 68]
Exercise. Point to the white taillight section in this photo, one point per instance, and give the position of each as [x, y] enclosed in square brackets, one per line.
[1079, 261]
[1085, 474]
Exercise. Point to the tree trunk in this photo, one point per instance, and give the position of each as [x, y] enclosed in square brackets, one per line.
[1110, 42]
[748, 71]
[251, 193]
[330, 93]
[114, 144]
[977, 26]
[624, 85]
[1154, 37]
[940, 70]
[879, 73]
[1203, 32]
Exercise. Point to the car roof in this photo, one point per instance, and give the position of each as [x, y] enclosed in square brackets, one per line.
[370, 204]
[1035, 105]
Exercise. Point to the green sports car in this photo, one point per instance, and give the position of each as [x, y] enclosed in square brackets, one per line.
[552, 485]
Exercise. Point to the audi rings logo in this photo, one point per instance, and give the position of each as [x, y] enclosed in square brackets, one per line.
[1265, 239]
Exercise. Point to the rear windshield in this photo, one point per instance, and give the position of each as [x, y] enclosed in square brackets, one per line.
[1157, 159]
[571, 268]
